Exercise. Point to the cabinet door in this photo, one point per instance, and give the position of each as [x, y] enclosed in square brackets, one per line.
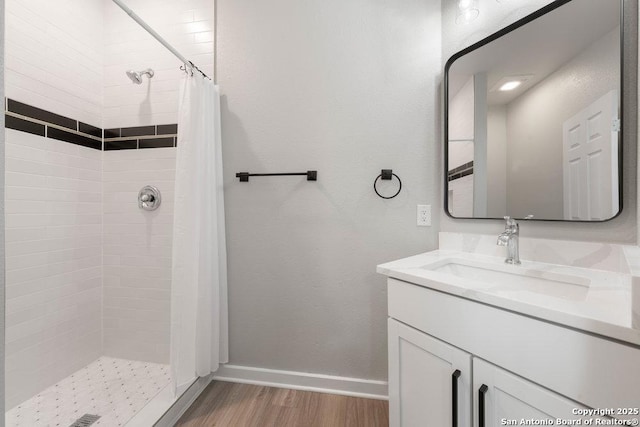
[501, 398]
[429, 380]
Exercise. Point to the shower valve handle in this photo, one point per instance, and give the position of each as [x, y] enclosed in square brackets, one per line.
[149, 198]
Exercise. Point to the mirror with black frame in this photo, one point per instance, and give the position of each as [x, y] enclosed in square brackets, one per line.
[533, 117]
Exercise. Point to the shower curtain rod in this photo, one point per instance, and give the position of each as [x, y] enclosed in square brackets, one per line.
[158, 37]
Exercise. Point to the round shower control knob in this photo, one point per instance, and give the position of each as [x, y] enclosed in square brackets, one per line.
[149, 198]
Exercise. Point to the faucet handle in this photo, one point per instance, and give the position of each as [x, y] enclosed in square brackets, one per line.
[511, 223]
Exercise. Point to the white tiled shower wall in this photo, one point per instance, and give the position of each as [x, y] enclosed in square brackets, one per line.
[188, 25]
[54, 56]
[137, 254]
[53, 196]
[69, 57]
[54, 261]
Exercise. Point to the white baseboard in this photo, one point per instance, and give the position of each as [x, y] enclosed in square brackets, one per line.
[303, 381]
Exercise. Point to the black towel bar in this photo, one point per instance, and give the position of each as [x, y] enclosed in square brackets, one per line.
[311, 175]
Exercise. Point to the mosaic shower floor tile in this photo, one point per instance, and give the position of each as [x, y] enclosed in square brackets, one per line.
[113, 389]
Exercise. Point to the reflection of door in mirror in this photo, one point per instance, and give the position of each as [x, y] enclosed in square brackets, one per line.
[590, 161]
[535, 120]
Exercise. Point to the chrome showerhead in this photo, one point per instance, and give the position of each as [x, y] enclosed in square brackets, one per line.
[136, 76]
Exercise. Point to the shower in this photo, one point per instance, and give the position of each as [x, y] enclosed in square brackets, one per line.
[91, 337]
[136, 76]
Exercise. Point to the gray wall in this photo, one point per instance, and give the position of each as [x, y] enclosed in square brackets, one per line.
[346, 88]
[494, 16]
[535, 146]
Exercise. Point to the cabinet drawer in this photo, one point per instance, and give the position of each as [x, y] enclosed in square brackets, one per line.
[594, 371]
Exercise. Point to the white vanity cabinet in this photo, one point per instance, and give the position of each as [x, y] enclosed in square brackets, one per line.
[429, 380]
[431, 383]
[508, 366]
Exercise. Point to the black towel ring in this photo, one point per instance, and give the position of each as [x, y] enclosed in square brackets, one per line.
[387, 174]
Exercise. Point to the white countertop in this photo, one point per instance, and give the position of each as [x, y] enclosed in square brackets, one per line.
[600, 305]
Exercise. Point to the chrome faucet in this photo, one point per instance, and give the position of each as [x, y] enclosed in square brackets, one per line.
[509, 238]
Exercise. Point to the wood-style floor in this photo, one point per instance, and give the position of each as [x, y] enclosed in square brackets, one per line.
[241, 405]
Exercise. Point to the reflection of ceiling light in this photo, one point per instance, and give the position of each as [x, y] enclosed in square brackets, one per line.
[467, 11]
[510, 85]
[511, 82]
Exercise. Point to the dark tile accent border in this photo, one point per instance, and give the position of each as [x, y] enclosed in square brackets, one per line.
[89, 130]
[462, 174]
[156, 142]
[460, 171]
[127, 144]
[11, 122]
[143, 135]
[73, 138]
[138, 131]
[129, 138]
[40, 114]
[461, 168]
[112, 133]
[167, 129]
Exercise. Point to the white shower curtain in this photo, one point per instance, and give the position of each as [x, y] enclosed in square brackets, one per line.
[199, 321]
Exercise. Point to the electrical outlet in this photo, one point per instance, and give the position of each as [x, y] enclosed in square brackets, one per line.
[424, 215]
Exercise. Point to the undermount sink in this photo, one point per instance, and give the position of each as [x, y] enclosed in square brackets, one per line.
[588, 286]
[507, 278]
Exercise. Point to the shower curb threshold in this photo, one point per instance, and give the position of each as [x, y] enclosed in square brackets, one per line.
[164, 410]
